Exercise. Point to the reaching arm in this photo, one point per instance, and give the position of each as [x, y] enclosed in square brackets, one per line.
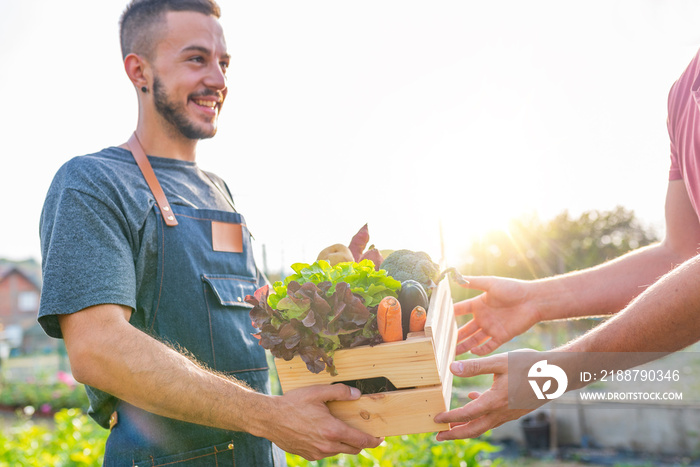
[174, 386]
[662, 319]
[510, 307]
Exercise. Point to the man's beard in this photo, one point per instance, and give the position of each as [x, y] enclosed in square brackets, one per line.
[176, 115]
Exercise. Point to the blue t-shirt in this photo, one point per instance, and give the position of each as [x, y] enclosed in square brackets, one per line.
[98, 237]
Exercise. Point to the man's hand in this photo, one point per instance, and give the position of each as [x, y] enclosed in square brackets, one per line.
[303, 425]
[503, 311]
[485, 411]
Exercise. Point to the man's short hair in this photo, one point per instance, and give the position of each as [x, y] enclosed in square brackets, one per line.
[141, 22]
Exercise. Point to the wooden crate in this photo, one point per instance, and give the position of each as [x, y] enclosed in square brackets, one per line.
[419, 367]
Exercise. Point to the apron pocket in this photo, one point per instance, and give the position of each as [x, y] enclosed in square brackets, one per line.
[220, 455]
[231, 290]
[233, 344]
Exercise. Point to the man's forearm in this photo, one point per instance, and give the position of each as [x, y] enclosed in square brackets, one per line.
[604, 289]
[148, 374]
[662, 319]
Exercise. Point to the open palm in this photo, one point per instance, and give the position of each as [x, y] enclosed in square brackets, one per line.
[502, 312]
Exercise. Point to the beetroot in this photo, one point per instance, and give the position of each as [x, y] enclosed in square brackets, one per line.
[359, 242]
[374, 255]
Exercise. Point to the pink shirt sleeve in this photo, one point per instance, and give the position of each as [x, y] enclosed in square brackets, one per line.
[682, 112]
[674, 172]
[684, 131]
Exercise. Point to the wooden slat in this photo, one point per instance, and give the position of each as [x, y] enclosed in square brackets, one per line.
[408, 363]
[442, 327]
[446, 375]
[393, 413]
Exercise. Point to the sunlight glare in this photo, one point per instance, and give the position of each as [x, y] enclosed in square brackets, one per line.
[475, 223]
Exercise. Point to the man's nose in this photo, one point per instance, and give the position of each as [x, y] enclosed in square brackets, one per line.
[216, 78]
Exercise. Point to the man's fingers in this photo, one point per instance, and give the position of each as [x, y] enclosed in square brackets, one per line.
[467, 329]
[482, 283]
[353, 446]
[471, 429]
[337, 392]
[463, 308]
[473, 419]
[358, 439]
[486, 348]
[480, 366]
[338, 438]
[347, 437]
[347, 449]
[350, 440]
[473, 341]
[329, 450]
[477, 408]
[466, 307]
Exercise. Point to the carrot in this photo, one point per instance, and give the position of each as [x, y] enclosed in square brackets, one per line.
[389, 319]
[417, 321]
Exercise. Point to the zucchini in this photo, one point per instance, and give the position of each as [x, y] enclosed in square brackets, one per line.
[411, 295]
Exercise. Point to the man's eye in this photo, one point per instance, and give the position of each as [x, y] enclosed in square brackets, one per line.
[197, 59]
[224, 66]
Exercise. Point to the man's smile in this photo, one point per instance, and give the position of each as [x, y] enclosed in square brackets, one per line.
[206, 103]
[210, 105]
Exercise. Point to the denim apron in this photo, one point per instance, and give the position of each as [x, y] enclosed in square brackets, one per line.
[199, 307]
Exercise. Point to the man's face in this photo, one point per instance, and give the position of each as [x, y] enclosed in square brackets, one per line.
[189, 74]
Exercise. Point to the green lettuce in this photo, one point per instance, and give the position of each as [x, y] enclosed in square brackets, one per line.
[363, 280]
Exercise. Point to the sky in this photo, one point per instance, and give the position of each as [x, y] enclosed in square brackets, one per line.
[432, 122]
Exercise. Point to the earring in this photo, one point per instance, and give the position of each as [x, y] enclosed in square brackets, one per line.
[144, 89]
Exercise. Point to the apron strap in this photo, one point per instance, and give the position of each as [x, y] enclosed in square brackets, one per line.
[151, 180]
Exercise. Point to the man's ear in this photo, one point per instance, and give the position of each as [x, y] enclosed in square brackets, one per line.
[137, 69]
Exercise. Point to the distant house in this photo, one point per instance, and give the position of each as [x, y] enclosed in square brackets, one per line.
[20, 289]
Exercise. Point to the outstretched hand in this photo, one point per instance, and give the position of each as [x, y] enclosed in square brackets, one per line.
[485, 411]
[503, 311]
[303, 425]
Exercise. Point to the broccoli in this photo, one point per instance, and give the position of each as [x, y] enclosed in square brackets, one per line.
[417, 265]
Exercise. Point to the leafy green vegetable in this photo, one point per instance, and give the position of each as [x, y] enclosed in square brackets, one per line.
[363, 280]
[321, 309]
